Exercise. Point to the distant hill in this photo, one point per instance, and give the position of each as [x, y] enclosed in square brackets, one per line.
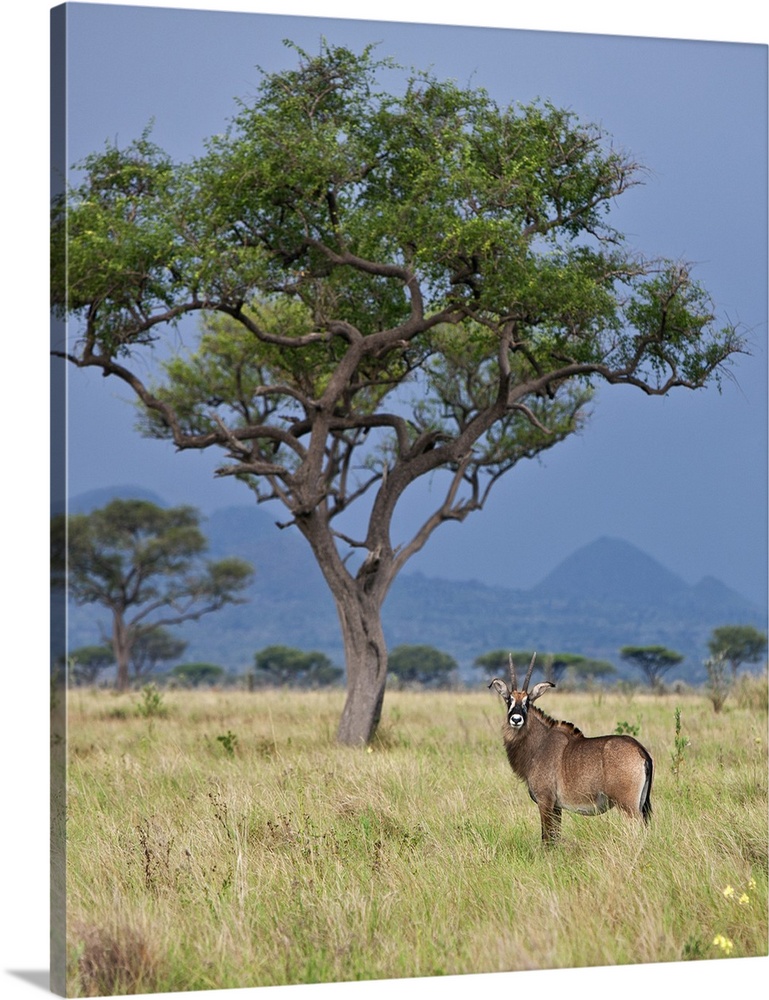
[613, 572]
[610, 569]
[603, 596]
[85, 502]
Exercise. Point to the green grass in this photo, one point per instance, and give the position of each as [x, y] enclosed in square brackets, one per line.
[228, 842]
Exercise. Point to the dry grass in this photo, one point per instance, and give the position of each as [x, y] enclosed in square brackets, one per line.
[232, 843]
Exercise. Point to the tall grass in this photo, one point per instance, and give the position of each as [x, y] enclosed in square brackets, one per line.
[229, 842]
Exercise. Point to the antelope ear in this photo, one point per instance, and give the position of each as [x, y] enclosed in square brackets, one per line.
[540, 689]
[501, 688]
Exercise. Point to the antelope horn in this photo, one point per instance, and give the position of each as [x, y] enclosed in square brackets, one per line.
[529, 672]
[512, 671]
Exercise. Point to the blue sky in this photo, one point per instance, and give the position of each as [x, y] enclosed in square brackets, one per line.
[684, 478]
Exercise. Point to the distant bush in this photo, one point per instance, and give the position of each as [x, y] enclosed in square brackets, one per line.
[284, 666]
[151, 706]
[196, 674]
[421, 665]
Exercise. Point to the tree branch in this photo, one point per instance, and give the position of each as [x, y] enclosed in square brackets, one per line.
[448, 511]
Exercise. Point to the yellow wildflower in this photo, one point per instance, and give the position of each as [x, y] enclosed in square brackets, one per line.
[728, 891]
[724, 943]
[743, 899]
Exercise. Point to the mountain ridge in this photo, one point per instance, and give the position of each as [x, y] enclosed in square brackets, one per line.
[609, 566]
[604, 595]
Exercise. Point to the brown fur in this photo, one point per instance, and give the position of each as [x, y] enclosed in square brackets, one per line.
[564, 769]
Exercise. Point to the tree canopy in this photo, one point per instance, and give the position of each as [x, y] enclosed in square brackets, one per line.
[145, 565]
[738, 644]
[87, 662]
[555, 665]
[198, 674]
[496, 660]
[392, 284]
[652, 661]
[424, 665]
[552, 665]
[286, 666]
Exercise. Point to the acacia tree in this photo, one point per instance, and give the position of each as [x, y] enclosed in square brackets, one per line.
[552, 665]
[87, 662]
[422, 665]
[555, 665]
[144, 564]
[652, 661]
[737, 644]
[285, 666]
[197, 674]
[153, 648]
[497, 660]
[585, 669]
[393, 285]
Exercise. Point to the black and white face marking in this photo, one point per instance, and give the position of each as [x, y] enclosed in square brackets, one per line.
[518, 709]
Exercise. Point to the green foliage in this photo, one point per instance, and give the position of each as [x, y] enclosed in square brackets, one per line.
[585, 668]
[285, 666]
[552, 665]
[145, 564]
[120, 238]
[152, 705]
[555, 665]
[229, 743]
[150, 545]
[628, 728]
[153, 648]
[331, 207]
[86, 663]
[652, 661]
[738, 644]
[421, 665]
[197, 674]
[497, 660]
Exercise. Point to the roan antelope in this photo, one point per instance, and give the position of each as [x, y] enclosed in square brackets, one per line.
[564, 769]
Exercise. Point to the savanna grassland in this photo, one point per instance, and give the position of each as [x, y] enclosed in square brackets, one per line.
[222, 839]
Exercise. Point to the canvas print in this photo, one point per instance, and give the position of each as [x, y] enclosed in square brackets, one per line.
[409, 500]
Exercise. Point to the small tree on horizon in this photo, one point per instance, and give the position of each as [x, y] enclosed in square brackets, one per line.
[87, 662]
[496, 662]
[285, 666]
[652, 661]
[424, 665]
[553, 666]
[145, 565]
[591, 669]
[581, 668]
[153, 648]
[197, 674]
[393, 286]
[738, 644]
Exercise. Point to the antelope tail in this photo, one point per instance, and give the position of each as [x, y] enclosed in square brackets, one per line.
[646, 802]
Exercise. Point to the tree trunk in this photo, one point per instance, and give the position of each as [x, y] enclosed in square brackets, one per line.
[121, 648]
[358, 601]
[360, 616]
